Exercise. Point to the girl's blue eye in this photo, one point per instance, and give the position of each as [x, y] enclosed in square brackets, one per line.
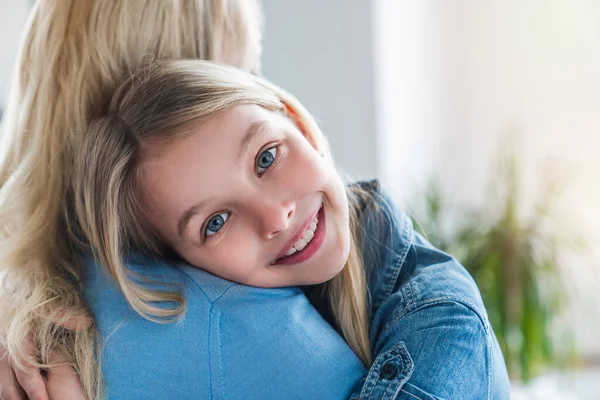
[265, 160]
[215, 223]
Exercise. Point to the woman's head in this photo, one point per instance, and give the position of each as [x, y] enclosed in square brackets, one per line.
[225, 169]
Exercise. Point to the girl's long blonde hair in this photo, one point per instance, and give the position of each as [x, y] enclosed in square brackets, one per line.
[74, 55]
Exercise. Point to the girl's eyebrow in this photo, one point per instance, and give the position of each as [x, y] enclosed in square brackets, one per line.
[257, 128]
[186, 217]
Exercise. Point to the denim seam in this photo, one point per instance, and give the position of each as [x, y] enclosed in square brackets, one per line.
[409, 296]
[223, 294]
[373, 381]
[219, 338]
[406, 239]
[210, 380]
[437, 300]
[411, 394]
[202, 290]
[490, 359]
[406, 360]
[398, 351]
[220, 346]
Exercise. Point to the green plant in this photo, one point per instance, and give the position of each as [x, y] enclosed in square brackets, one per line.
[515, 259]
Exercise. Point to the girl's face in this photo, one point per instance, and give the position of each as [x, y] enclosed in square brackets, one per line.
[247, 197]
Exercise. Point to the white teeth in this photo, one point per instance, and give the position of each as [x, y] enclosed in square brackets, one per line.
[300, 244]
[308, 235]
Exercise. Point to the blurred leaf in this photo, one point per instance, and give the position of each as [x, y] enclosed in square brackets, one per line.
[515, 262]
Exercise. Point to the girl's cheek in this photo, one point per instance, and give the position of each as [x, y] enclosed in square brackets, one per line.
[316, 164]
[239, 248]
[228, 261]
[301, 174]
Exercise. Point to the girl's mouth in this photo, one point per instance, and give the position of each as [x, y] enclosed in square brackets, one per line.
[308, 244]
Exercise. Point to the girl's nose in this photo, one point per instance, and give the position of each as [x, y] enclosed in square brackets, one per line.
[275, 217]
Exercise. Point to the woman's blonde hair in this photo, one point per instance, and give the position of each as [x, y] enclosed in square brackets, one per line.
[160, 104]
[73, 56]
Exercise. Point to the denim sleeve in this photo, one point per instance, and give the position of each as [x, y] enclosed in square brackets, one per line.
[429, 331]
[439, 350]
[431, 338]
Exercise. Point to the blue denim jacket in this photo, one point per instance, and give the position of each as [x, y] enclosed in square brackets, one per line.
[429, 329]
[429, 332]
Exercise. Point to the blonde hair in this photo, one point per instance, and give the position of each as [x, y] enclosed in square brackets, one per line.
[160, 104]
[73, 56]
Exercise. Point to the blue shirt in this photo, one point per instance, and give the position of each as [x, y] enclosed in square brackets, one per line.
[429, 331]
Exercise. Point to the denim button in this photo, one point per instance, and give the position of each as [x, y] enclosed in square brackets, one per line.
[388, 371]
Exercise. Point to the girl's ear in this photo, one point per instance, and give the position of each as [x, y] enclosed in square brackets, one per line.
[294, 116]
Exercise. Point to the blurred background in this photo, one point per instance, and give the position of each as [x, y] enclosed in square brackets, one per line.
[483, 119]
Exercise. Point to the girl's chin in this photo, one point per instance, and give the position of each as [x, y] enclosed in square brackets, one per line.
[322, 276]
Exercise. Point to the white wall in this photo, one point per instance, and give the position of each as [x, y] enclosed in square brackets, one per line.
[321, 51]
[408, 71]
[452, 77]
[12, 19]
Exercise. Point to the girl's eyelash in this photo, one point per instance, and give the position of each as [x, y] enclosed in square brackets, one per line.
[223, 217]
[271, 156]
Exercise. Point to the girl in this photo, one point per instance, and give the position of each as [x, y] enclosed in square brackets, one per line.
[201, 162]
[74, 54]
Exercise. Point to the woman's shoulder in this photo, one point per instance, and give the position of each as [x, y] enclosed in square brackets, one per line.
[155, 273]
[229, 335]
[204, 292]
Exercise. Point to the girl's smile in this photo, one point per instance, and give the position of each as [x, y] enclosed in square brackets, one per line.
[306, 242]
